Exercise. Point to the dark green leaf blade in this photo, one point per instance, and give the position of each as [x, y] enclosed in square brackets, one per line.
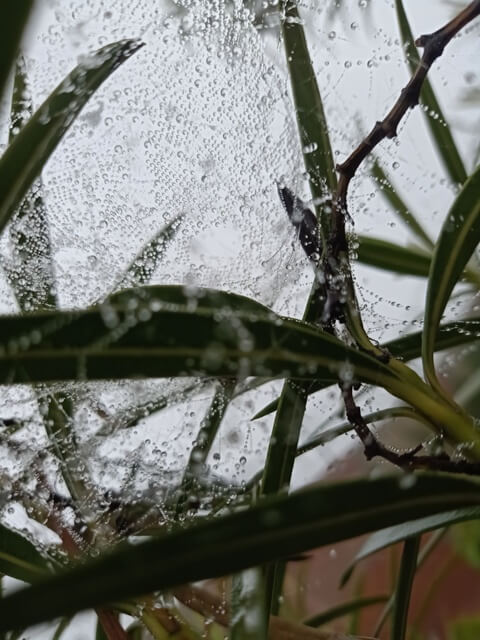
[14, 19]
[435, 119]
[153, 338]
[399, 206]
[386, 537]
[408, 568]
[343, 610]
[407, 348]
[39, 138]
[458, 239]
[392, 257]
[30, 270]
[142, 267]
[20, 559]
[277, 527]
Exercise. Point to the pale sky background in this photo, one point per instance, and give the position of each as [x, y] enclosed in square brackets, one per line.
[200, 122]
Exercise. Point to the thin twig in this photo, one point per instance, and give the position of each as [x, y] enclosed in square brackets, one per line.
[409, 460]
[336, 264]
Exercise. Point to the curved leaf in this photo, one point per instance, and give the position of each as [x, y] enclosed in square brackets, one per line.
[275, 528]
[386, 537]
[392, 257]
[343, 610]
[399, 206]
[407, 348]
[435, 119]
[31, 270]
[403, 590]
[25, 158]
[142, 267]
[147, 337]
[312, 124]
[458, 239]
[14, 19]
[20, 559]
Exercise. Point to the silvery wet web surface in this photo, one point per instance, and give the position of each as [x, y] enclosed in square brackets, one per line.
[199, 124]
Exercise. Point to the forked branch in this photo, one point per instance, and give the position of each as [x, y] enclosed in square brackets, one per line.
[433, 45]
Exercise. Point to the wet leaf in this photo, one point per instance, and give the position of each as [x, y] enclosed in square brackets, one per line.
[393, 257]
[274, 528]
[407, 348]
[14, 19]
[398, 205]
[458, 239]
[130, 337]
[386, 537]
[403, 590]
[19, 558]
[39, 138]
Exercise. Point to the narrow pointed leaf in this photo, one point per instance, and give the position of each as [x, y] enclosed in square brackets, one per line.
[387, 537]
[458, 239]
[25, 158]
[62, 627]
[20, 559]
[408, 568]
[343, 610]
[14, 19]
[272, 529]
[312, 124]
[31, 270]
[399, 206]
[143, 266]
[152, 338]
[407, 348]
[392, 257]
[436, 121]
[208, 432]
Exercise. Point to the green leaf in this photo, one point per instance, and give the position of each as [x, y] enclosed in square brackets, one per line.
[62, 627]
[131, 417]
[25, 158]
[279, 466]
[14, 19]
[407, 348]
[408, 568]
[276, 527]
[142, 267]
[312, 124]
[201, 449]
[386, 537]
[458, 239]
[31, 271]
[392, 257]
[343, 610]
[436, 121]
[399, 206]
[57, 414]
[20, 559]
[147, 337]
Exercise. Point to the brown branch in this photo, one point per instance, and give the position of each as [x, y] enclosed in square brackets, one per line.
[409, 460]
[433, 46]
[341, 303]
